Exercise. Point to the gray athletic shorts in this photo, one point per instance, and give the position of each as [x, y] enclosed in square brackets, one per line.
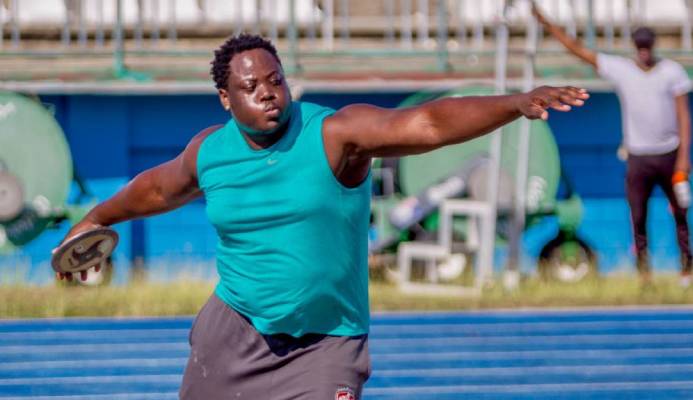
[229, 359]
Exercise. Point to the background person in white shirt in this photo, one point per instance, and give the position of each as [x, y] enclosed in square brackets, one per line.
[656, 129]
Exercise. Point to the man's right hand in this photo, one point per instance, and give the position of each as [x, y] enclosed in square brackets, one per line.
[535, 104]
[82, 226]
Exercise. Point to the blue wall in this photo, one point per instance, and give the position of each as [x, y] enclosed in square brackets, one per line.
[115, 137]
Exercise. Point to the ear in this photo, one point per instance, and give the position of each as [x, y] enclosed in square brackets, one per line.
[224, 99]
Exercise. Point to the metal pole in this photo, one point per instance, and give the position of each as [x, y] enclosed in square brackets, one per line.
[293, 38]
[139, 25]
[119, 45]
[609, 27]
[625, 28]
[390, 15]
[638, 15]
[422, 31]
[172, 31]
[512, 276]
[312, 22]
[461, 26]
[479, 28]
[591, 34]
[2, 25]
[274, 16]
[155, 22]
[257, 29]
[82, 26]
[442, 52]
[407, 35]
[239, 18]
[344, 10]
[488, 235]
[16, 35]
[328, 25]
[571, 26]
[65, 34]
[99, 24]
[686, 26]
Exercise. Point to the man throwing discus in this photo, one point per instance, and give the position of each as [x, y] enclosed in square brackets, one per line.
[287, 188]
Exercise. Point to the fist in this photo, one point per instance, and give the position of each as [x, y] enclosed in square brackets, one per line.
[82, 226]
[535, 104]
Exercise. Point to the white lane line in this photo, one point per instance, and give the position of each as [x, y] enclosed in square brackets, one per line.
[91, 320]
[108, 379]
[96, 347]
[530, 388]
[590, 370]
[122, 396]
[598, 354]
[533, 371]
[622, 310]
[83, 364]
[78, 333]
[462, 327]
[633, 338]
[182, 345]
[527, 326]
[382, 358]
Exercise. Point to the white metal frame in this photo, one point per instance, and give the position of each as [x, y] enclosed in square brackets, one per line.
[479, 214]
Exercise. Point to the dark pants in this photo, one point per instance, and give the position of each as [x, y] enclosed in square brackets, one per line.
[230, 360]
[644, 172]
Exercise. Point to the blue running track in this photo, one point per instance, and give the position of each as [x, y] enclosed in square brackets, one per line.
[585, 354]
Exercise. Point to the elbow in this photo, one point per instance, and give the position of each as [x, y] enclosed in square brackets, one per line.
[434, 137]
[431, 133]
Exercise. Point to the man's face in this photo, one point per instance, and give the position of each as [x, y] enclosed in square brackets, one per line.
[256, 93]
[645, 55]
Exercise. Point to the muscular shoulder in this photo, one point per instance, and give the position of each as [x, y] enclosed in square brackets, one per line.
[197, 140]
[192, 149]
[351, 118]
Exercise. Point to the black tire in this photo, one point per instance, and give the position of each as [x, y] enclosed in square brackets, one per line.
[568, 259]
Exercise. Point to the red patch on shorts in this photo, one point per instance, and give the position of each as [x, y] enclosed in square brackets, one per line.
[344, 393]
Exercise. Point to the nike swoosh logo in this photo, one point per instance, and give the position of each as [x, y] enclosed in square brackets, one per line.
[272, 161]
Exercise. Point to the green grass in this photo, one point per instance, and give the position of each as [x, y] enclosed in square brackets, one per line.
[180, 298]
[611, 291]
[185, 298]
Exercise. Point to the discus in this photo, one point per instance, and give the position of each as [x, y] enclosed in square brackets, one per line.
[84, 250]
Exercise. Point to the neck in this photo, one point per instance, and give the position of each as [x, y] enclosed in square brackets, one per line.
[647, 63]
[263, 141]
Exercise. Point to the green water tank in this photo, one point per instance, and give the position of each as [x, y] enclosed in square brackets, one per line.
[416, 173]
[35, 169]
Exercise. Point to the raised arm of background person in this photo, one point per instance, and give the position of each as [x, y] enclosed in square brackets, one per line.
[154, 191]
[573, 45]
[358, 132]
[683, 117]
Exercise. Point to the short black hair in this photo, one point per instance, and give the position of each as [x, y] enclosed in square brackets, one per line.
[644, 38]
[233, 46]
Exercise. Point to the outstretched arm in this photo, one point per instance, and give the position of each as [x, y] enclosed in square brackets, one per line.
[572, 45]
[154, 191]
[364, 131]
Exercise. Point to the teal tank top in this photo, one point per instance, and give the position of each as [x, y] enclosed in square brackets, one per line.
[293, 247]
